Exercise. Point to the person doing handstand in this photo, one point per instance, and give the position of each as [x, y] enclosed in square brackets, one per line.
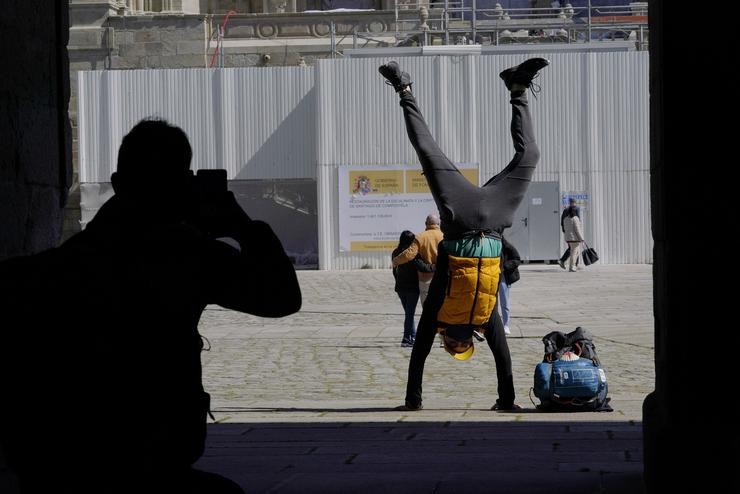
[463, 292]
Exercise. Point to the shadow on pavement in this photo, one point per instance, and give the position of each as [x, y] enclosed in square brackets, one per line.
[428, 457]
[523, 410]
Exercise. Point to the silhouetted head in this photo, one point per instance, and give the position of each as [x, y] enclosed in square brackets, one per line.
[154, 167]
[406, 239]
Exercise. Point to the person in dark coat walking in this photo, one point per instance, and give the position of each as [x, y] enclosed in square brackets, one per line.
[407, 285]
[510, 261]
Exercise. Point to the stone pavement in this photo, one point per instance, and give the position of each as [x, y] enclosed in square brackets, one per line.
[304, 404]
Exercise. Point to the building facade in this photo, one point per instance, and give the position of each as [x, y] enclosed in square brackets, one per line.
[148, 34]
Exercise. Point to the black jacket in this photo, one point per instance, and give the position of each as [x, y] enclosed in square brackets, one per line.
[510, 262]
[132, 348]
[406, 275]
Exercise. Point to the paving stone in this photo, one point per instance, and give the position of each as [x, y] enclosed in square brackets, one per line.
[305, 403]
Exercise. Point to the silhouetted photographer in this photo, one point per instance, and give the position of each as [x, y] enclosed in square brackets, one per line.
[100, 339]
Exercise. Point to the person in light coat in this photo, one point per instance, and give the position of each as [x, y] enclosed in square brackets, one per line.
[573, 232]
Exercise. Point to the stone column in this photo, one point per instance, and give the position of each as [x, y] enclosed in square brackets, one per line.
[35, 157]
[185, 6]
[136, 6]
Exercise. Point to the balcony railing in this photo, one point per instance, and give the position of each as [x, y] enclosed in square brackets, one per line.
[458, 22]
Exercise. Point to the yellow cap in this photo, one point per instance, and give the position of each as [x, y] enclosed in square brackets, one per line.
[462, 355]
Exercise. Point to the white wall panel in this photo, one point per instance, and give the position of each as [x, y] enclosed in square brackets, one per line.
[255, 122]
[591, 121]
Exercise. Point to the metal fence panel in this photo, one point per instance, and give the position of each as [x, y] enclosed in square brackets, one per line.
[257, 123]
[591, 121]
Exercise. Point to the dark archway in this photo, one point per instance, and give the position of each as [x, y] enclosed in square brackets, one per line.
[691, 435]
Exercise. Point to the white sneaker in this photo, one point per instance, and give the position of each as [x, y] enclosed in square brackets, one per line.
[507, 330]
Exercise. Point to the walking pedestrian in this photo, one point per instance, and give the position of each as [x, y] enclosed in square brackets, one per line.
[406, 277]
[570, 223]
[425, 244]
[510, 260]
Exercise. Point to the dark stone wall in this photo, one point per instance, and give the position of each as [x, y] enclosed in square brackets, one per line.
[35, 141]
[35, 161]
[691, 436]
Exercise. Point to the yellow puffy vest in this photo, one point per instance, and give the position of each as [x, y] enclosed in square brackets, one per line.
[472, 288]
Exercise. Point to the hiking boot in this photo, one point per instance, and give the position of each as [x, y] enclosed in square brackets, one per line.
[408, 407]
[523, 74]
[505, 408]
[394, 76]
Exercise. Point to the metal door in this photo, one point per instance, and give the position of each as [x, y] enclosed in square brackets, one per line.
[535, 229]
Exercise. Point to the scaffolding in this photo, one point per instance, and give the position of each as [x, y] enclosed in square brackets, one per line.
[450, 22]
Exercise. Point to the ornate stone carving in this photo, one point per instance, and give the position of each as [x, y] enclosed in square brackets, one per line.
[321, 29]
[267, 30]
[377, 27]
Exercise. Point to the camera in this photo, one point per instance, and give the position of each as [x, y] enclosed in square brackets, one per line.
[208, 190]
[209, 184]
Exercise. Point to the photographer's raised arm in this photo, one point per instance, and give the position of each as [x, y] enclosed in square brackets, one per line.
[259, 278]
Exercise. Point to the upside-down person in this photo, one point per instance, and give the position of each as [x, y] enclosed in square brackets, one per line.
[462, 296]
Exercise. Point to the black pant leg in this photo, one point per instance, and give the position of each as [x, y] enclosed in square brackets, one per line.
[449, 187]
[425, 334]
[426, 331]
[522, 131]
[565, 255]
[431, 156]
[505, 191]
[496, 339]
